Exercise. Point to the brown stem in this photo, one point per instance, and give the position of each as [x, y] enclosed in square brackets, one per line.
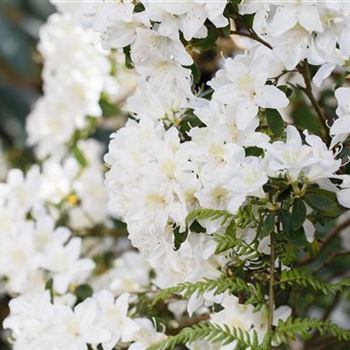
[253, 36]
[327, 239]
[303, 69]
[271, 289]
[330, 258]
[188, 323]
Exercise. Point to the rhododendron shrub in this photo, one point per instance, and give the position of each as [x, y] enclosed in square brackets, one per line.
[217, 217]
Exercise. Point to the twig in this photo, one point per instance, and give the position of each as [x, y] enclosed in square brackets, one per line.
[330, 258]
[271, 288]
[188, 323]
[252, 35]
[303, 69]
[327, 239]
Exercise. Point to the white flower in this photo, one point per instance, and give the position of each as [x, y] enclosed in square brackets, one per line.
[287, 15]
[72, 84]
[21, 192]
[146, 335]
[76, 328]
[188, 17]
[31, 320]
[63, 261]
[291, 156]
[243, 83]
[344, 194]
[18, 257]
[112, 316]
[246, 181]
[130, 273]
[341, 126]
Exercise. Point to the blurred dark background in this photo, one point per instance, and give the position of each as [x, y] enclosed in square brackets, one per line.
[20, 82]
[20, 66]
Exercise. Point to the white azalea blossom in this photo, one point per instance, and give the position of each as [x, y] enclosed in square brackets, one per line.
[223, 153]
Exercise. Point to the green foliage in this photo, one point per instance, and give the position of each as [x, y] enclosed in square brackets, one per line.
[268, 224]
[228, 241]
[274, 121]
[208, 214]
[298, 327]
[212, 333]
[206, 43]
[83, 292]
[128, 61]
[298, 215]
[303, 279]
[80, 157]
[323, 202]
[233, 284]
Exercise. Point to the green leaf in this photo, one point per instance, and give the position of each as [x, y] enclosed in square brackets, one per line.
[303, 279]
[274, 121]
[254, 151]
[232, 284]
[298, 214]
[209, 214]
[83, 292]
[196, 73]
[207, 43]
[286, 220]
[268, 224]
[302, 327]
[179, 238]
[80, 157]
[222, 334]
[248, 20]
[286, 89]
[128, 61]
[108, 109]
[323, 202]
[297, 237]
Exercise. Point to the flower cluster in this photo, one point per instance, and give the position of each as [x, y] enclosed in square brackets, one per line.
[221, 190]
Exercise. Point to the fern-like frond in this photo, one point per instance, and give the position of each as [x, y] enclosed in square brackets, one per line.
[303, 279]
[234, 285]
[209, 214]
[302, 327]
[226, 242]
[213, 333]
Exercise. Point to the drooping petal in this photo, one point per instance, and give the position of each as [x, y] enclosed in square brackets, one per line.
[344, 197]
[323, 73]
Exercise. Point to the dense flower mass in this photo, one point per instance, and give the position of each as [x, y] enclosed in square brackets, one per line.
[216, 193]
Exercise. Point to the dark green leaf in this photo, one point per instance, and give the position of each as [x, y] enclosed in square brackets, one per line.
[298, 238]
[179, 238]
[128, 61]
[207, 43]
[286, 220]
[323, 202]
[286, 89]
[83, 292]
[268, 224]
[254, 151]
[195, 72]
[274, 121]
[298, 214]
